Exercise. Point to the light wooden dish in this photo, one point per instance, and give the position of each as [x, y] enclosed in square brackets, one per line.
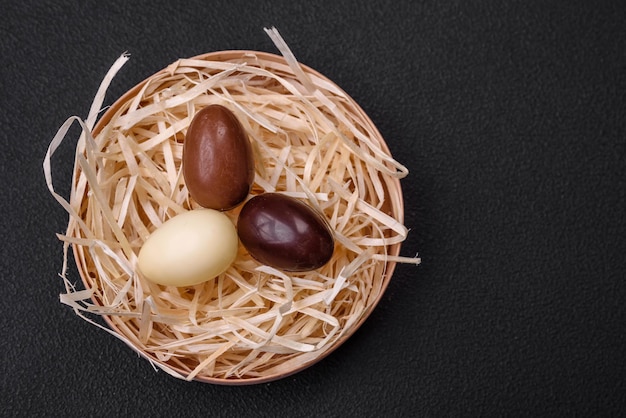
[251, 324]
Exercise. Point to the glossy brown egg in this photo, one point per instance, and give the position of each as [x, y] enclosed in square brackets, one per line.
[285, 233]
[218, 164]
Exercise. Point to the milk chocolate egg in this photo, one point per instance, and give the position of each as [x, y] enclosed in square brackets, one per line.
[285, 233]
[218, 165]
[189, 249]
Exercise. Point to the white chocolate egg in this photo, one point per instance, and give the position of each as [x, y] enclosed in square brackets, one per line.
[189, 249]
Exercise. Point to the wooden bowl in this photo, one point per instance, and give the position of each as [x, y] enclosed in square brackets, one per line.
[130, 318]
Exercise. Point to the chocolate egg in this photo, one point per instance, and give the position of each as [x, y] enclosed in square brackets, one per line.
[189, 248]
[285, 233]
[218, 164]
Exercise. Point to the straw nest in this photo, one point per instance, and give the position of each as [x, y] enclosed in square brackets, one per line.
[252, 323]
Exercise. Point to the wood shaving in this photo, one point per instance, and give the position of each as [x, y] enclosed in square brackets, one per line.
[252, 323]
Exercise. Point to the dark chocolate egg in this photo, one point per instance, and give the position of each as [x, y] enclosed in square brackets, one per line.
[218, 164]
[285, 233]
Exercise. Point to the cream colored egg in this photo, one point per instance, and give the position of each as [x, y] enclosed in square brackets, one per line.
[189, 249]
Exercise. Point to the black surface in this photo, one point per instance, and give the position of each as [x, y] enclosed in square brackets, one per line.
[510, 117]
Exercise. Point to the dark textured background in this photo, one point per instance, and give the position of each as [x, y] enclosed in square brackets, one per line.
[511, 119]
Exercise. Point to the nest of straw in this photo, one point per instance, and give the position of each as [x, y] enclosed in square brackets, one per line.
[253, 323]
